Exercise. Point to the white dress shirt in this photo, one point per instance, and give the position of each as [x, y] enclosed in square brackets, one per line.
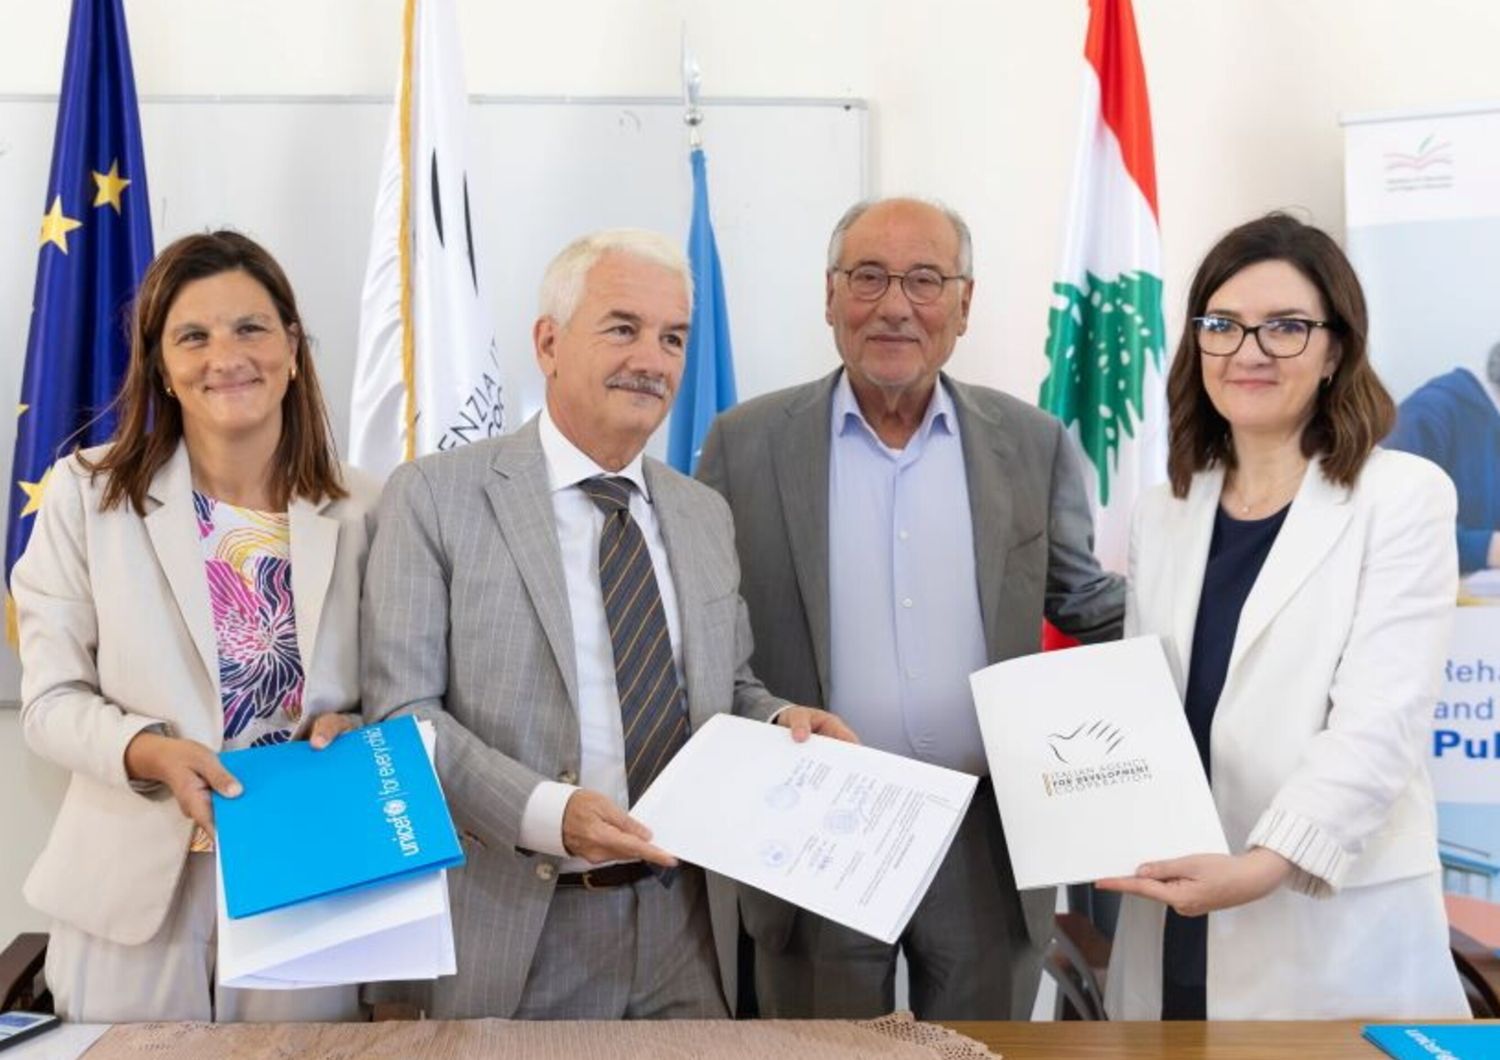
[601, 735]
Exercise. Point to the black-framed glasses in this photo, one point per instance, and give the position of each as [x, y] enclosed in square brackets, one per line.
[922, 285]
[1279, 337]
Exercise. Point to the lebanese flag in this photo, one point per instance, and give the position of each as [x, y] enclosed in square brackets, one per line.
[1106, 337]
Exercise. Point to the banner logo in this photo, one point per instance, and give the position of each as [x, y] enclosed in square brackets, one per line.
[1429, 167]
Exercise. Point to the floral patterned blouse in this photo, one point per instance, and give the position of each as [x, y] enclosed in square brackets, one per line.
[247, 559]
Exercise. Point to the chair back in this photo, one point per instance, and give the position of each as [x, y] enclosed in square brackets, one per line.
[1077, 958]
[1479, 970]
[21, 984]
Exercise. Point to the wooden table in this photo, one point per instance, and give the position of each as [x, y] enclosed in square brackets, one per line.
[1187, 1041]
[1013, 1041]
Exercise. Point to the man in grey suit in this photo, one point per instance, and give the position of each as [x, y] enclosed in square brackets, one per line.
[566, 611]
[897, 530]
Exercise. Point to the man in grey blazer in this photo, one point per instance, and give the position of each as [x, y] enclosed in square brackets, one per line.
[897, 530]
[566, 612]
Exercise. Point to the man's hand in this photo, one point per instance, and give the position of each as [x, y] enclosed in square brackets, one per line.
[189, 770]
[1204, 883]
[804, 721]
[595, 829]
[328, 727]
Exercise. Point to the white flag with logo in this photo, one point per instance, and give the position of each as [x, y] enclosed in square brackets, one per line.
[426, 375]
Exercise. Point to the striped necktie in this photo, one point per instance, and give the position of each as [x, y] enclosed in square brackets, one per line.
[653, 709]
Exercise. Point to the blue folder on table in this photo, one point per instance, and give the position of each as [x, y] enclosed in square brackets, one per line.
[365, 810]
[1438, 1041]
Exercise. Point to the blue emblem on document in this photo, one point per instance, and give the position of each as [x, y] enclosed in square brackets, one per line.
[365, 810]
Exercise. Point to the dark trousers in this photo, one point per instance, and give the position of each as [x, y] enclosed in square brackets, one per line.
[966, 946]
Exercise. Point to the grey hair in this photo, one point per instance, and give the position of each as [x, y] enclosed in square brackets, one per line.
[562, 284]
[859, 209]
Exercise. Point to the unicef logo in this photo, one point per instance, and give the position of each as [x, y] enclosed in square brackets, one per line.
[395, 808]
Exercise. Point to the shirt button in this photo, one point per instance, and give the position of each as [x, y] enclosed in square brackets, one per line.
[906, 602]
[902, 534]
[567, 776]
[545, 872]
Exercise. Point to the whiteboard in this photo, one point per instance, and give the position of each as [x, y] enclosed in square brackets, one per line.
[299, 174]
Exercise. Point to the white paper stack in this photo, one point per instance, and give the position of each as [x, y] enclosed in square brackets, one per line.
[848, 832]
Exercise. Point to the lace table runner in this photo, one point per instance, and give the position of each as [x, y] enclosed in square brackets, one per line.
[893, 1037]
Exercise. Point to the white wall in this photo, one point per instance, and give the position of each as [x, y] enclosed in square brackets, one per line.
[973, 101]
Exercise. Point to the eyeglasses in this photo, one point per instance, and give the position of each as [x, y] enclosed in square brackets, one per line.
[1280, 337]
[923, 285]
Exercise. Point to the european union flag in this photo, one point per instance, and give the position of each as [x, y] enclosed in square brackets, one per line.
[708, 377]
[95, 244]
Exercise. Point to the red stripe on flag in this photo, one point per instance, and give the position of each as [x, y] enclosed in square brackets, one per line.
[1114, 51]
[1054, 639]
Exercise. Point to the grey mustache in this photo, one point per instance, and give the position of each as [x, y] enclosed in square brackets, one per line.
[643, 384]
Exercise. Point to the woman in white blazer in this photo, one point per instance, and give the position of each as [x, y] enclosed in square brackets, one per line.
[1303, 581]
[192, 586]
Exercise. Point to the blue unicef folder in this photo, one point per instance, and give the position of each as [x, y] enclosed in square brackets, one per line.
[1439, 1041]
[365, 810]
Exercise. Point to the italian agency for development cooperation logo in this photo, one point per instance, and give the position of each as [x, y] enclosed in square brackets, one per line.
[1092, 759]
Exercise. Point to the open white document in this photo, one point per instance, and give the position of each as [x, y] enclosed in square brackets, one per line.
[850, 833]
[1094, 766]
[399, 930]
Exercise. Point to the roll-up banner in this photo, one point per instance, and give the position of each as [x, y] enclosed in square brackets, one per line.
[1422, 202]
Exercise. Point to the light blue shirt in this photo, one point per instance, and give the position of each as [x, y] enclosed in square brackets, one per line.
[905, 621]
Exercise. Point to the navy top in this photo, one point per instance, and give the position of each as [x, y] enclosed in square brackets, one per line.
[1236, 553]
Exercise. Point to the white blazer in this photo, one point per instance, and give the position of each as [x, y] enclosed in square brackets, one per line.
[1317, 747]
[116, 635]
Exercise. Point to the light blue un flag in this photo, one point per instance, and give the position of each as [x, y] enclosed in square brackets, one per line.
[95, 243]
[708, 377]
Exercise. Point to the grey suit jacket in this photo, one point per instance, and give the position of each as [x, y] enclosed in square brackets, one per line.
[466, 622]
[1033, 537]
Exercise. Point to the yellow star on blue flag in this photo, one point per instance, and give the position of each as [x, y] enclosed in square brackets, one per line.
[34, 492]
[110, 186]
[55, 226]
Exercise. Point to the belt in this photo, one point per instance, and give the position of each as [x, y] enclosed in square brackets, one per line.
[620, 875]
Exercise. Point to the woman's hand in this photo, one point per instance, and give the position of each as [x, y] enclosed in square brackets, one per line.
[327, 727]
[1203, 883]
[189, 770]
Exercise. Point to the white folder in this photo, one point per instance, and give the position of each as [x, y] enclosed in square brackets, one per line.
[1094, 766]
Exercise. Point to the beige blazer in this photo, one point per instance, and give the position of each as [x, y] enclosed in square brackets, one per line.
[116, 635]
[1317, 746]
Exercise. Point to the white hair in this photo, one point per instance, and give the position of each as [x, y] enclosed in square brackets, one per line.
[562, 284]
[859, 209]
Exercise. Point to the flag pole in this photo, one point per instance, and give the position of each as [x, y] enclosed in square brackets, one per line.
[692, 86]
[404, 238]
